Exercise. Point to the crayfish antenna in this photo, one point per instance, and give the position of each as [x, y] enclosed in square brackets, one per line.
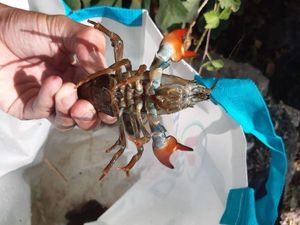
[214, 84]
[164, 153]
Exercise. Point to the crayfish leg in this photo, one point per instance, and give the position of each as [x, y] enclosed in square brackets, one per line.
[122, 142]
[133, 161]
[112, 162]
[117, 143]
[116, 42]
[134, 121]
[164, 153]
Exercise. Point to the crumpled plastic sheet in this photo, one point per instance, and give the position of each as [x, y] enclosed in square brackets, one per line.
[195, 192]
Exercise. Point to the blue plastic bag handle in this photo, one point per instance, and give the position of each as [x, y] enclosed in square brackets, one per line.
[129, 17]
[241, 99]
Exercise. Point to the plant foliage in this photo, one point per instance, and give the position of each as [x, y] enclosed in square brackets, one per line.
[171, 13]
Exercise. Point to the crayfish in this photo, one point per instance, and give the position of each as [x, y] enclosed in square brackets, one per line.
[135, 95]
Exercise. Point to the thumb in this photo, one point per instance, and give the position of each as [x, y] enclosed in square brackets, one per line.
[85, 43]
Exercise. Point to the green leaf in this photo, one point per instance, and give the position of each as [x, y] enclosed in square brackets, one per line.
[225, 14]
[213, 65]
[169, 13]
[73, 4]
[192, 6]
[217, 63]
[212, 19]
[208, 65]
[234, 5]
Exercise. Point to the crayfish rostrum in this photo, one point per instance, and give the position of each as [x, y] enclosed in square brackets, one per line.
[135, 95]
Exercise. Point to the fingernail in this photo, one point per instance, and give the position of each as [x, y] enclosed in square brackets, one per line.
[74, 60]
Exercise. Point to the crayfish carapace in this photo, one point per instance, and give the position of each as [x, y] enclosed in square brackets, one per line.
[134, 95]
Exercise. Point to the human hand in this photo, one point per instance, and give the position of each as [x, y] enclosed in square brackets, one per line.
[38, 69]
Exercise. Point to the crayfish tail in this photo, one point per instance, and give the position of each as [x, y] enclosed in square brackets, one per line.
[164, 153]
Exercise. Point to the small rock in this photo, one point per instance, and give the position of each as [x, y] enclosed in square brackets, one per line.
[291, 218]
[293, 113]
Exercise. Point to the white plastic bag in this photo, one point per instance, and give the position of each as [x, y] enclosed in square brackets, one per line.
[195, 192]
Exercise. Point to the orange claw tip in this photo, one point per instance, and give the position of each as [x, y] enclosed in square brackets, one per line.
[176, 40]
[182, 147]
[189, 54]
[163, 154]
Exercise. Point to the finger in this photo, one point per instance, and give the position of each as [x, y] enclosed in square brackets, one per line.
[65, 98]
[84, 114]
[43, 104]
[90, 49]
[106, 118]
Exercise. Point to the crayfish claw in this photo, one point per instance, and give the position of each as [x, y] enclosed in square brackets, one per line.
[188, 54]
[175, 40]
[182, 147]
[164, 153]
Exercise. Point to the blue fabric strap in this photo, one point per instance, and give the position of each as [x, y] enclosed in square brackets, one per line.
[242, 100]
[129, 17]
[240, 207]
